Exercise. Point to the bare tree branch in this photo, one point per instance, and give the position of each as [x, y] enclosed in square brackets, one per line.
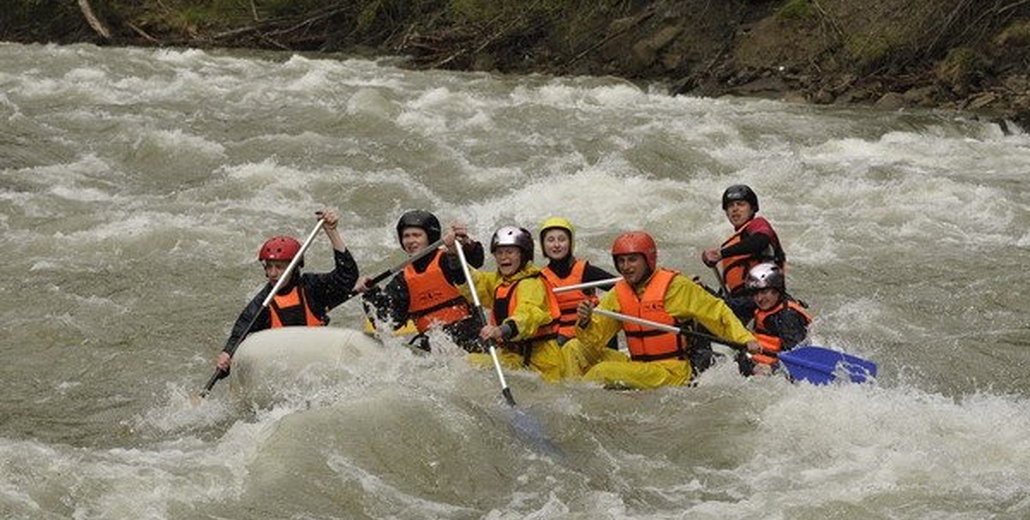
[93, 21]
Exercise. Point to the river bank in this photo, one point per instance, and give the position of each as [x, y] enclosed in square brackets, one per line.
[947, 54]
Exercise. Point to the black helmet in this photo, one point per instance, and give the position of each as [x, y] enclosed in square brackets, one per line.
[740, 192]
[420, 219]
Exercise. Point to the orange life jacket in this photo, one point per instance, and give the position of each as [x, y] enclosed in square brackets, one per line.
[772, 345]
[569, 300]
[734, 269]
[432, 299]
[645, 343]
[506, 299]
[292, 310]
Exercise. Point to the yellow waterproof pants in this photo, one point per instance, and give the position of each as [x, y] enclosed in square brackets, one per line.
[605, 366]
[546, 359]
[640, 375]
[579, 359]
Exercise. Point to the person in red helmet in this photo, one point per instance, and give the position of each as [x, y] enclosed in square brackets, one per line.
[305, 299]
[753, 242]
[646, 291]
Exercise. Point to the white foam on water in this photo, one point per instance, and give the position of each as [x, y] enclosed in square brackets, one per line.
[164, 169]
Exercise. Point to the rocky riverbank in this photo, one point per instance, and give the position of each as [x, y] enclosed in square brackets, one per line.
[970, 55]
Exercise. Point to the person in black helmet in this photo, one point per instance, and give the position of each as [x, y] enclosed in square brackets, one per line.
[426, 291]
[753, 242]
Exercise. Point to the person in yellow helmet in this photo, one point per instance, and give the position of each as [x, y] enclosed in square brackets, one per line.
[523, 320]
[646, 291]
[557, 241]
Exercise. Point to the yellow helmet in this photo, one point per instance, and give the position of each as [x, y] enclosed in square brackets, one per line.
[558, 223]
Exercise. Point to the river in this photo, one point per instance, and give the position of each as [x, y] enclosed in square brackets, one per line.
[137, 184]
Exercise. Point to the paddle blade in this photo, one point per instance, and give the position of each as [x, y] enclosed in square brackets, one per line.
[819, 365]
[527, 429]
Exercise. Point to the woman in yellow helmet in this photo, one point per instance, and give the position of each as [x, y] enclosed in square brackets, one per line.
[557, 238]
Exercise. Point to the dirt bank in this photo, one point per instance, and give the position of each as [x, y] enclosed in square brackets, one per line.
[952, 54]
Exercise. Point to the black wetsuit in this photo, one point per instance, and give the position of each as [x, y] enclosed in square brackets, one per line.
[393, 302]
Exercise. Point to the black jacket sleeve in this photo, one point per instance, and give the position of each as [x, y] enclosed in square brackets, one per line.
[239, 329]
[451, 264]
[327, 290]
[390, 303]
[791, 328]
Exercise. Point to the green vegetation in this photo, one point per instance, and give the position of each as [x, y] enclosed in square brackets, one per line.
[1016, 34]
[958, 67]
[797, 10]
[869, 50]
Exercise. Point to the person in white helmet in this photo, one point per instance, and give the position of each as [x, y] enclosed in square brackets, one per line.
[524, 311]
[780, 322]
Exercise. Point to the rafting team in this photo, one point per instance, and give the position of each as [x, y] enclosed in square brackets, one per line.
[561, 334]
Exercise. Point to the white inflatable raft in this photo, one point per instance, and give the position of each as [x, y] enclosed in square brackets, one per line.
[276, 364]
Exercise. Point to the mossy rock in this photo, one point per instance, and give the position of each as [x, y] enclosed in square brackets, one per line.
[797, 10]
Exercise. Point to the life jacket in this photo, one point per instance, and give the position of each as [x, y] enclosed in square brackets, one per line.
[569, 300]
[645, 343]
[733, 270]
[771, 344]
[505, 302]
[292, 310]
[432, 299]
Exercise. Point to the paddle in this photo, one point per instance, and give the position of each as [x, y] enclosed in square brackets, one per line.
[522, 423]
[283, 278]
[718, 278]
[399, 267]
[586, 285]
[817, 365]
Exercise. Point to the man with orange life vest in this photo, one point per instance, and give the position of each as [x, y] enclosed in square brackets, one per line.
[753, 241]
[780, 323]
[557, 238]
[524, 309]
[305, 299]
[657, 358]
[426, 291]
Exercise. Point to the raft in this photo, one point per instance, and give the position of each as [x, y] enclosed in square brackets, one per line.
[276, 364]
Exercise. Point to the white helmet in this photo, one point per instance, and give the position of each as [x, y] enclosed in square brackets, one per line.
[514, 236]
[765, 275]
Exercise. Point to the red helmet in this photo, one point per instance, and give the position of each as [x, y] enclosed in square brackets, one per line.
[636, 242]
[280, 248]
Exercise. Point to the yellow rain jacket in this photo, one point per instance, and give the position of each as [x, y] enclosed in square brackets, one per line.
[532, 313]
[590, 358]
